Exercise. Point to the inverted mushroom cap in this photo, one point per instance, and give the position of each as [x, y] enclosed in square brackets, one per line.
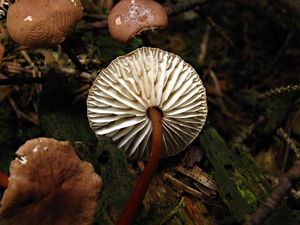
[49, 185]
[122, 93]
[42, 23]
[130, 17]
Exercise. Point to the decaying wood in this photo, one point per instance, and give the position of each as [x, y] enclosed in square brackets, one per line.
[241, 184]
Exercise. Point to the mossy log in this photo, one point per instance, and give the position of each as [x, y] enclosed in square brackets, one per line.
[241, 184]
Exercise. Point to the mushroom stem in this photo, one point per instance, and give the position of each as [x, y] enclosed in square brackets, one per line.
[141, 186]
[3, 180]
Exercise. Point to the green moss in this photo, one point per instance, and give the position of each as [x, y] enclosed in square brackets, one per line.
[247, 194]
[241, 184]
[117, 181]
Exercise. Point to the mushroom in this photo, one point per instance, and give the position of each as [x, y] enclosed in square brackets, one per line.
[130, 17]
[42, 23]
[147, 94]
[49, 185]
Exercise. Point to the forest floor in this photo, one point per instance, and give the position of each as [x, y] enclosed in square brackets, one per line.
[247, 54]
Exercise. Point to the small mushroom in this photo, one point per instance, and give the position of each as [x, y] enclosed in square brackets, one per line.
[42, 23]
[130, 17]
[49, 185]
[147, 94]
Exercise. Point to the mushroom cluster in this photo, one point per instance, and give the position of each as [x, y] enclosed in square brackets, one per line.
[152, 104]
[42, 23]
[49, 185]
[130, 17]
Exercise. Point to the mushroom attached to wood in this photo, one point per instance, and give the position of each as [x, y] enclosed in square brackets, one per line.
[42, 23]
[49, 185]
[128, 18]
[147, 94]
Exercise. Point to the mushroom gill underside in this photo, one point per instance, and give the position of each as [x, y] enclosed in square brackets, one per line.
[122, 93]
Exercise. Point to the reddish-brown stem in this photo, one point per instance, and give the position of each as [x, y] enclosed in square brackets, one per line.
[141, 186]
[3, 180]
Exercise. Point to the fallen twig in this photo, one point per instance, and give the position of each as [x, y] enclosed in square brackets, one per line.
[183, 6]
[22, 80]
[284, 186]
[280, 90]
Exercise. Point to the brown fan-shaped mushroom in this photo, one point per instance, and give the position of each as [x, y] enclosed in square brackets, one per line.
[130, 17]
[49, 185]
[42, 23]
[147, 94]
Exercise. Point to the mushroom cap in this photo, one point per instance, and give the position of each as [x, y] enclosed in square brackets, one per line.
[121, 94]
[49, 185]
[130, 17]
[42, 23]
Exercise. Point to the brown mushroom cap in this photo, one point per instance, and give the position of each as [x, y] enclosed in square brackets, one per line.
[130, 17]
[42, 23]
[50, 185]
